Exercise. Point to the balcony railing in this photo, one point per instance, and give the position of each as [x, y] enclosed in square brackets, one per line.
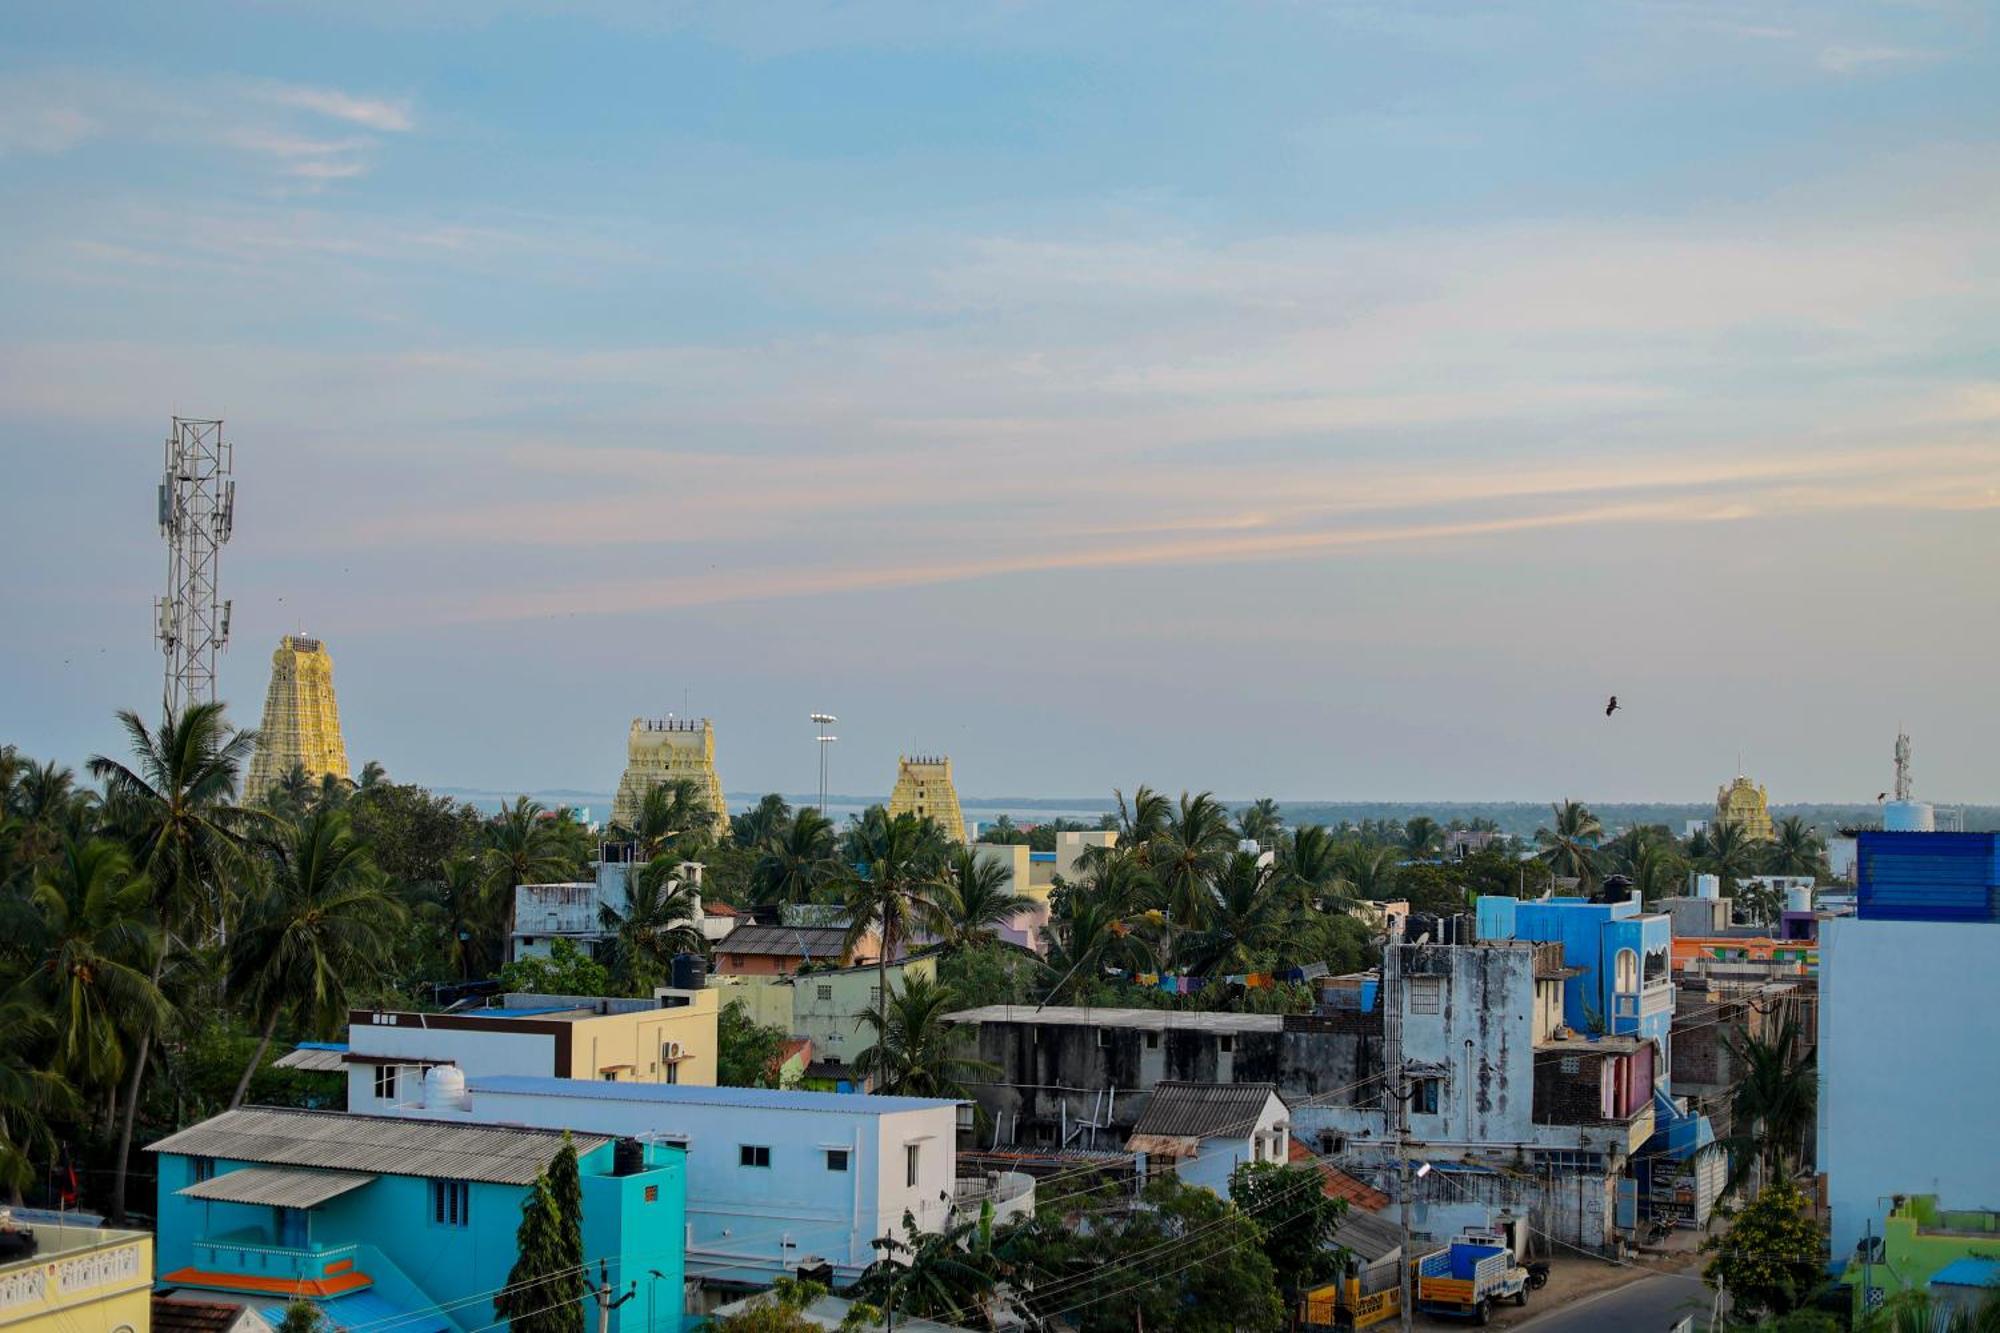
[1012, 1194]
[250, 1254]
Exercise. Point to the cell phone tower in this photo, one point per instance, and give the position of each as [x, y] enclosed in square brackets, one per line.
[197, 514]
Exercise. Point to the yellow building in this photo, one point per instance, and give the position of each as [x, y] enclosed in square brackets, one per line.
[301, 720]
[1745, 804]
[924, 789]
[79, 1278]
[661, 750]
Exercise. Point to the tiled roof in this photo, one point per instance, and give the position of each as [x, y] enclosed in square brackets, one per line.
[390, 1145]
[827, 942]
[1340, 1185]
[182, 1316]
[1203, 1110]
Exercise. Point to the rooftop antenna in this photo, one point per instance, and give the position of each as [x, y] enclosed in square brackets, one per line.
[197, 514]
[1902, 764]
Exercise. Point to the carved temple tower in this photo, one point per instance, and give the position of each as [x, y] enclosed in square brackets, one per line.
[661, 750]
[301, 720]
[1745, 803]
[924, 789]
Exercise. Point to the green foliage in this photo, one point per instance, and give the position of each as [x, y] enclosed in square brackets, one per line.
[947, 1275]
[990, 972]
[747, 1051]
[567, 970]
[915, 1052]
[545, 1288]
[1770, 1258]
[781, 1310]
[566, 1194]
[1295, 1217]
[1096, 1263]
[302, 1316]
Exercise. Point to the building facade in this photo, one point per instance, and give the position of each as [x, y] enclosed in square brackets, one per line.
[1203, 1131]
[669, 1038]
[301, 723]
[776, 1180]
[662, 750]
[1895, 1070]
[63, 1278]
[924, 788]
[823, 1006]
[400, 1222]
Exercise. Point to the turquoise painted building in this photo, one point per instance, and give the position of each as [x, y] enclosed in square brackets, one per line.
[404, 1224]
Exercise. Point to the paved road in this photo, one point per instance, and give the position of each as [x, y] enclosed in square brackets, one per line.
[1650, 1305]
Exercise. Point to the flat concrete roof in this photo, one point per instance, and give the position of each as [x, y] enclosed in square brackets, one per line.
[1152, 1020]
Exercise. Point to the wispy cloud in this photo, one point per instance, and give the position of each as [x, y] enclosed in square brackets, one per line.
[374, 113]
[42, 129]
[1854, 59]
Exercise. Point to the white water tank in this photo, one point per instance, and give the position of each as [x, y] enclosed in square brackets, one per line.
[1798, 899]
[1909, 817]
[1708, 886]
[444, 1089]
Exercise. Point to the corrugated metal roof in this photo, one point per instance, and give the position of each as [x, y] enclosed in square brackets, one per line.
[279, 1186]
[1157, 1020]
[387, 1145]
[688, 1094]
[1204, 1110]
[315, 1058]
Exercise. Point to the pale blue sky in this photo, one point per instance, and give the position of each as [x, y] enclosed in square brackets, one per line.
[1328, 400]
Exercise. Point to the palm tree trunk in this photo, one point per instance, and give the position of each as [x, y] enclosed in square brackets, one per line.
[132, 1104]
[256, 1058]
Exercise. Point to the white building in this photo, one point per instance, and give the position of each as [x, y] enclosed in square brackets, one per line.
[1204, 1131]
[776, 1180]
[1909, 1021]
[574, 911]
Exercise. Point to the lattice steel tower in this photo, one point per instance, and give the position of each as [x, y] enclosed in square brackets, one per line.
[197, 514]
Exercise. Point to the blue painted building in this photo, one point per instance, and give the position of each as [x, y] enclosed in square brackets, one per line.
[1927, 876]
[409, 1220]
[1621, 957]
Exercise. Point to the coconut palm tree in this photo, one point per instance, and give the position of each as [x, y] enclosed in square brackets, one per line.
[1796, 848]
[1421, 837]
[1313, 861]
[1369, 872]
[1570, 844]
[373, 775]
[951, 1273]
[290, 796]
[175, 804]
[468, 914]
[1916, 1311]
[1252, 910]
[521, 848]
[1261, 822]
[897, 869]
[661, 920]
[670, 814]
[1093, 932]
[1187, 856]
[916, 1053]
[28, 1094]
[316, 937]
[797, 863]
[972, 901]
[1658, 871]
[1730, 854]
[762, 824]
[1144, 819]
[91, 939]
[1774, 1104]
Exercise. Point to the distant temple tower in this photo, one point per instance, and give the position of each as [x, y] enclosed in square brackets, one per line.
[661, 750]
[1744, 803]
[924, 789]
[301, 720]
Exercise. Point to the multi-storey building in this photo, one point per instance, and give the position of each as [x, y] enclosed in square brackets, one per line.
[662, 750]
[301, 723]
[404, 1222]
[668, 1038]
[924, 789]
[1899, 1074]
[59, 1277]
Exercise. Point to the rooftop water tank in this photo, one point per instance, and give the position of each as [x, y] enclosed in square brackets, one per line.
[690, 971]
[1708, 886]
[444, 1089]
[1798, 899]
[1908, 817]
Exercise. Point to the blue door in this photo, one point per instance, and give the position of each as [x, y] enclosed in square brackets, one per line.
[292, 1228]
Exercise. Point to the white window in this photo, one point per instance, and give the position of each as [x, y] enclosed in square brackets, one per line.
[912, 1153]
[385, 1083]
[1628, 972]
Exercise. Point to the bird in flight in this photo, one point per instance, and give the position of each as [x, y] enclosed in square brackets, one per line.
[1881, 795]
[1611, 707]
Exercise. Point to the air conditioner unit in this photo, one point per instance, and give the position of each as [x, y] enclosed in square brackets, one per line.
[673, 1050]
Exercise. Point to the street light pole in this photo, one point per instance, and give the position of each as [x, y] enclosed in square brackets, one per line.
[823, 721]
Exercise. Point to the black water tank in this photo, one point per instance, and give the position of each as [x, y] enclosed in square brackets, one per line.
[690, 971]
[628, 1157]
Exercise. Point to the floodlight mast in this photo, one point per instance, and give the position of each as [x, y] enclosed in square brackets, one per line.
[825, 738]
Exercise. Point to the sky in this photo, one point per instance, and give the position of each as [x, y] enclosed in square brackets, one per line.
[1324, 400]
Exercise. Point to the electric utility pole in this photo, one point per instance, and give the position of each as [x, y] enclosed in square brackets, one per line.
[605, 1304]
